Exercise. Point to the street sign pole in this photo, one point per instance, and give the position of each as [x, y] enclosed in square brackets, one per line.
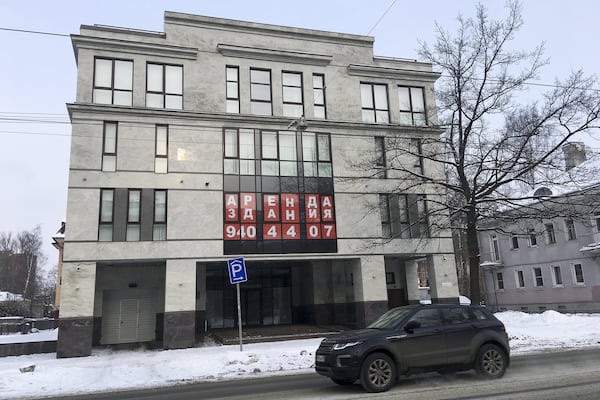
[239, 307]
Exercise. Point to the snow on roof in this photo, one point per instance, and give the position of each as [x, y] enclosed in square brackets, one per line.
[590, 247]
[8, 296]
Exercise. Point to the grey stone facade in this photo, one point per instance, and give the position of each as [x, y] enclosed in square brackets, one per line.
[164, 186]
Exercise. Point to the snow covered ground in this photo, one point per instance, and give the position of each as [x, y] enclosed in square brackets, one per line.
[109, 370]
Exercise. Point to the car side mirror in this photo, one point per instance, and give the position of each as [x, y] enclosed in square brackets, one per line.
[411, 326]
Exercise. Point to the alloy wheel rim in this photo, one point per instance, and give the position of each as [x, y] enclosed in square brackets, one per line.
[380, 373]
[492, 362]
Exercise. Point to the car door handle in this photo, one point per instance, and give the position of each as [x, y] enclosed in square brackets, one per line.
[396, 337]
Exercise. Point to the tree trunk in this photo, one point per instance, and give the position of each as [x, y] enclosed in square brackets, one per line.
[474, 255]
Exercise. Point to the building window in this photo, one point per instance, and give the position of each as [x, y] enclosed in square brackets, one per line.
[109, 147]
[239, 151]
[538, 279]
[316, 154]
[550, 236]
[494, 247]
[232, 77]
[278, 152]
[159, 229]
[164, 86]
[556, 276]
[403, 216]
[520, 279]
[412, 106]
[161, 155]
[422, 274]
[260, 92]
[374, 103]
[113, 82]
[514, 241]
[105, 227]
[319, 96]
[293, 105]
[570, 228]
[597, 220]
[390, 278]
[416, 150]
[577, 271]
[386, 220]
[499, 281]
[380, 157]
[532, 238]
[133, 214]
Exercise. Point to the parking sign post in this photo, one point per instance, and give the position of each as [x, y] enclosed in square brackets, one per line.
[237, 275]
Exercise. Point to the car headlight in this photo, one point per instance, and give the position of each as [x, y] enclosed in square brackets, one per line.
[342, 346]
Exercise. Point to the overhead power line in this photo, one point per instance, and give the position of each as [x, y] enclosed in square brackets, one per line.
[34, 32]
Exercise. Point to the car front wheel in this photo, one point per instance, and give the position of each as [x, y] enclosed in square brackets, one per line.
[378, 373]
[491, 362]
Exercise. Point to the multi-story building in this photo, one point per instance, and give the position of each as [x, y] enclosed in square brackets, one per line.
[220, 138]
[549, 260]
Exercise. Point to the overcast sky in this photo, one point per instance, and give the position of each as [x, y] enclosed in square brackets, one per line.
[38, 72]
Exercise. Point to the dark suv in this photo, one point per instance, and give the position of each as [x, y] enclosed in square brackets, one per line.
[416, 338]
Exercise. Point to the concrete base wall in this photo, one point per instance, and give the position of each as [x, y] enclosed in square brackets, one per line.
[179, 329]
[20, 349]
[75, 337]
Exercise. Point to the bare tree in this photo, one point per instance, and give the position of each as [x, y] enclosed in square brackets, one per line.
[29, 245]
[494, 141]
[7, 243]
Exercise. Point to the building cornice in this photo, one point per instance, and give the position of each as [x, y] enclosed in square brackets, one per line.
[200, 21]
[393, 73]
[256, 53]
[244, 119]
[133, 47]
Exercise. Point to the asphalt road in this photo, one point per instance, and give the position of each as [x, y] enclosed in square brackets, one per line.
[548, 376]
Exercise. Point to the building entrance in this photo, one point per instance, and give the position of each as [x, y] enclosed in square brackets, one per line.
[266, 298]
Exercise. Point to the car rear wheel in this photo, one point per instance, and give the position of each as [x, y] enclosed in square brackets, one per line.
[378, 373]
[491, 362]
[343, 382]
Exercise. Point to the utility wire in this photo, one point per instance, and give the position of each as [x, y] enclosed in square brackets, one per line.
[34, 32]
[382, 16]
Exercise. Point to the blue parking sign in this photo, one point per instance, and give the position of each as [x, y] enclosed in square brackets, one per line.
[237, 270]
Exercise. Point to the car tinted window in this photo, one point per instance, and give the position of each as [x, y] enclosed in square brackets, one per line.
[389, 319]
[457, 315]
[427, 317]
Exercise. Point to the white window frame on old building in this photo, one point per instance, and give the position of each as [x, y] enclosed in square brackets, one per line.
[159, 227]
[161, 149]
[319, 109]
[261, 98]
[550, 233]
[494, 248]
[577, 274]
[232, 89]
[571, 233]
[292, 94]
[374, 103]
[164, 86]
[532, 238]
[538, 277]
[113, 81]
[499, 281]
[557, 280]
[411, 102]
[519, 279]
[109, 146]
[106, 215]
[134, 202]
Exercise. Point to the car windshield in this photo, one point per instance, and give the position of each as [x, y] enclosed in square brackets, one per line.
[389, 319]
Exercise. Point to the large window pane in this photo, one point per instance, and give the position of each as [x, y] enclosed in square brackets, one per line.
[309, 146]
[418, 102]
[269, 145]
[260, 92]
[109, 163]
[293, 110]
[246, 143]
[174, 102]
[403, 98]
[154, 100]
[122, 98]
[231, 144]
[102, 96]
[155, 78]
[366, 96]
[260, 76]
[160, 206]
[380, 97]
[260, 108]
[110, 137]
[106, 210]
[103, 73]
[287, 146]
[174, 79]
[134, 206]
[123, 75]
[324, 154]
[161, 140]
[105, 233]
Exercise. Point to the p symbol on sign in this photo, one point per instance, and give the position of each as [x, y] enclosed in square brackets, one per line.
[237, 270]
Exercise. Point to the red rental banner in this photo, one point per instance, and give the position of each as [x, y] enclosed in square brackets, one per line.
[271, 207]
[231, 207]
[290, 208]
[248, 207]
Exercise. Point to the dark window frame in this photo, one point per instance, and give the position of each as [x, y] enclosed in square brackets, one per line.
[270, 86]
[550, 233]
[570, 228]
[411, 110]
[301, 87]
[130, 222]
[228, 97]
[380, 157]
[112, 80]
[538, 277]
[157, 155]
[156, 222]
[375, 109]
[108, 153]
[321, 90]
[163, 91]
[110, 222]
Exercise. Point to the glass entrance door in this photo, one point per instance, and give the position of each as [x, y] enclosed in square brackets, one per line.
[251, 307]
